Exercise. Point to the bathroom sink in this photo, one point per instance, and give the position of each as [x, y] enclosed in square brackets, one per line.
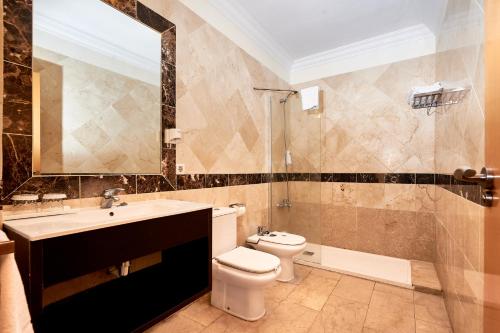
[95, 218]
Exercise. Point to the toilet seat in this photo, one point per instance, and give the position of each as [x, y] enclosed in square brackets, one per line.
[249, 260]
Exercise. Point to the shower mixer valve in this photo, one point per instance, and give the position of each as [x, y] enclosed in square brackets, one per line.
[285, 203]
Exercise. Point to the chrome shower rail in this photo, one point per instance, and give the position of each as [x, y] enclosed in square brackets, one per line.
[277, 90]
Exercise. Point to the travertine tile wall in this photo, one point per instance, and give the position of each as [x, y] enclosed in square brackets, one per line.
[460, 142]
[224, 121]
[366, 127]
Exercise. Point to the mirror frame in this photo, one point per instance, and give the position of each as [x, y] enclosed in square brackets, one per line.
[17, 134]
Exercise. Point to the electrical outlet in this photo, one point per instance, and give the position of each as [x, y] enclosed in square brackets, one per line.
[180, 169]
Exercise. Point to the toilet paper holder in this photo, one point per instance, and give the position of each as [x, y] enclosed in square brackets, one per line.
[240, 208]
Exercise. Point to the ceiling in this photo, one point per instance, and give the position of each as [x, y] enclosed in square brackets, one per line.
[303, 28]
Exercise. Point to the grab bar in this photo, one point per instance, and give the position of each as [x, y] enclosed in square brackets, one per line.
[7, 247]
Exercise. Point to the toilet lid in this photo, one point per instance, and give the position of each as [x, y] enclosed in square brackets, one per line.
[249, 260]
[283, 238]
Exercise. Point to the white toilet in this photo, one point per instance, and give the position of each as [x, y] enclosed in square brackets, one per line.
[239, 274]
[283, 245]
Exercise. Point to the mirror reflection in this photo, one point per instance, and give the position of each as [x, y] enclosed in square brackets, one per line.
[96, 90]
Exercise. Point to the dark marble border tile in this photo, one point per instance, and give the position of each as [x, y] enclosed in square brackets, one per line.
[370, 178]
[94, 186]
[279, 177]
[168, 45]
[238, 179]
[216, 180]
[153, 184]
[257, 178]
[400, 178]
[17, 162]
[152, 19]
[168, 114]
[18, 31]
[169, 165]
[426, 178]
[315, 177]
[190, 182]
[168, 84]
[265, 178]
[17, 103]
[298, 177]
[344, 177]
[128, 7]
[326, 177]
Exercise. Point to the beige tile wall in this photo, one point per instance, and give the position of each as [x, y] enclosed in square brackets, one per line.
[225, 123]
[460, 142]
[367, 125]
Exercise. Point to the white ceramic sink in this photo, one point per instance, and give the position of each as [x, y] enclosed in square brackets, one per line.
[95, 218]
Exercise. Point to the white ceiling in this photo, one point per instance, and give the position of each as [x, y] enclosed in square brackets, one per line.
[302, 28]
[304, 40]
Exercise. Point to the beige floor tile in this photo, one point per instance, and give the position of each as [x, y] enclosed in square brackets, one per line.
[325, 273]
[392, 304]
[402, 293]
[425, 327]
[379, 322]
[301, 272]
[340, 315]
[431, 308]
[288, 318]
[313, 292]
[177, 324]
[355, 289]
[202, 311]
[279, 291]
[227, 323]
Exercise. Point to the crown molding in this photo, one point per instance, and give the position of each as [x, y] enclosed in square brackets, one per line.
[412, 42]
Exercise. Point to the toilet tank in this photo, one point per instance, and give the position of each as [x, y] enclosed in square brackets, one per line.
[223, 230]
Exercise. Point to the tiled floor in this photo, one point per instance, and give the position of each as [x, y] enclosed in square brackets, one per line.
[319, 301]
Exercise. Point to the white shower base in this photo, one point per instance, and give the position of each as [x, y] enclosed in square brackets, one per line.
[379, 268]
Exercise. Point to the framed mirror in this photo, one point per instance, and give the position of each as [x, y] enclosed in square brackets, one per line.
[89, 89]
[96, 90]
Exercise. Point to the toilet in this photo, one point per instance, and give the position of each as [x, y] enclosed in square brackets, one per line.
[239, 274]
[283, 245]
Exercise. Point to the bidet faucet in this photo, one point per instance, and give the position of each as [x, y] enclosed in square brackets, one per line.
[110, 196]
[261, 230]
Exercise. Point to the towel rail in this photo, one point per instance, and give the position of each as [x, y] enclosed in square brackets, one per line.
[6, 247]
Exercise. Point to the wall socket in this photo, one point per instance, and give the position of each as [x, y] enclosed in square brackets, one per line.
[180, 169]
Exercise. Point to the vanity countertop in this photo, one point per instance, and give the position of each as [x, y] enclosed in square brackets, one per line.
[95, 218]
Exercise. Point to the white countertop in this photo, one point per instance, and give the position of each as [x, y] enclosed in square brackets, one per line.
[95, 218]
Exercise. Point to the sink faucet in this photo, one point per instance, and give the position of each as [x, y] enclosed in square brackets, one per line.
[110, 196]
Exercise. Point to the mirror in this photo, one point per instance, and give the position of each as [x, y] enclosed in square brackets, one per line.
[96, 90]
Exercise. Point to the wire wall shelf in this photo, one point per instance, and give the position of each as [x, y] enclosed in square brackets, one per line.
[441, 97]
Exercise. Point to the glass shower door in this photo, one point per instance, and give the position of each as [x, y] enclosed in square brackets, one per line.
[295, 196]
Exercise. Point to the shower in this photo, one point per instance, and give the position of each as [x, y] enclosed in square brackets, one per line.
[286, 202]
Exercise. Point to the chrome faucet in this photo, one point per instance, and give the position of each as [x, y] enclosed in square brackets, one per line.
[261, 230]
[110, 196]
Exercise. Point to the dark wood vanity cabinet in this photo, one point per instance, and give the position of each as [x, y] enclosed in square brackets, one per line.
[126, 304]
